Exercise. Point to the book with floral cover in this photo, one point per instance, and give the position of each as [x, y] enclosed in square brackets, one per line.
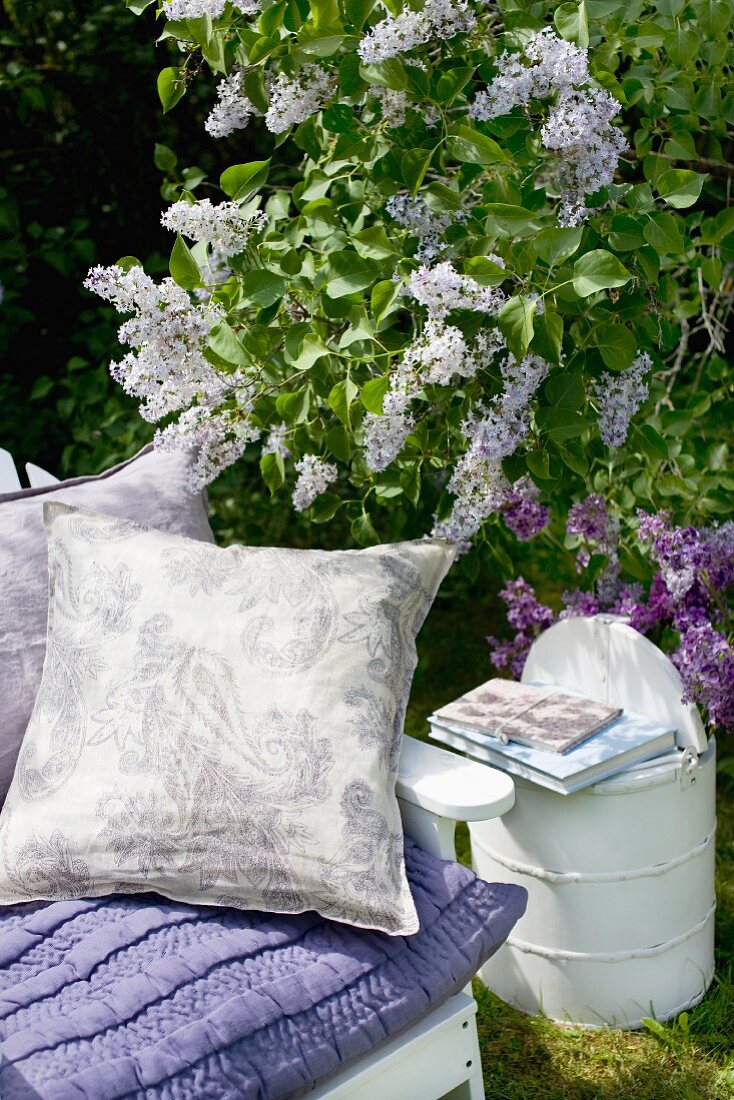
[541, 717]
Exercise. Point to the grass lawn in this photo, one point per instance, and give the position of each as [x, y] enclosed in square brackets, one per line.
[527, 1058]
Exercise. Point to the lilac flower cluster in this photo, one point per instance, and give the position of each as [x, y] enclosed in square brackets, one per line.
[478, 483]
[195, 9]
[618, 397]
[294, 99]
[522, 512]
[688, 594]
[398, 34]
[314, 476]
[590, 521]
[233, 109]
[578, 128]
[275, 444]
[168, 371]
[441, 289]
[219, 436]
[223, 226]
[528, 617]
[413, 214]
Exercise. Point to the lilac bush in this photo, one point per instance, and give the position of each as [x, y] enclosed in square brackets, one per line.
[686, 607]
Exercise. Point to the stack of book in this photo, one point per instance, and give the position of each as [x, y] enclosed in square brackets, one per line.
[547, 735]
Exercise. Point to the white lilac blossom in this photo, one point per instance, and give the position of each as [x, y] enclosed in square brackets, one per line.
[195, 9]
[393, 105]
[167, 370]
[275, 443]
[399, 34]
[413, 214]
[384, 437]
[233, 109]
[314, 476]
[441, 289]
[478, 483]
[294, 99]
[393, 36]
[555, 65]
[223, 226]
[578, 129]
[619, 396]
[220, 437]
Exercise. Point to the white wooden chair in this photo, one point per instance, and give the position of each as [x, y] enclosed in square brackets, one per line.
[438, 1058]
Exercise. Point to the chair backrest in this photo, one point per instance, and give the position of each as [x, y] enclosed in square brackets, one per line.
[603, 657]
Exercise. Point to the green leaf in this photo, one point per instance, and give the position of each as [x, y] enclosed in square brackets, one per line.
[254, 84]
[663, 234]
[224, 343]
[516, 217]
[262, 287]
[171, 88]
[470, 146]
[555, 245]
[560, 422]
[312, 349]
[571, 23]
[293, 407]
[548, 336]
[243, 180]
[384, 294]
[679, 187]
[573, 455]
[183, 267]
[625, 233]
[644, 438]
[338, 119]
[325, 507]
[323, 45]
[414, 166]
[373, 392]
[617, 345]
[410, 482]
[386, 74]
[484, 271]
[565, 387]
[363, 532]
[539, 464]
[338, 442]
[272, 469]
[375, 244]
[516, 323]
[598, 270]
[349, 273]
[164, 158]
[340, 399]
[126, 262]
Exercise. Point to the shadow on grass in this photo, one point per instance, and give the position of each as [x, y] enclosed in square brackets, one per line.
[526, 1058]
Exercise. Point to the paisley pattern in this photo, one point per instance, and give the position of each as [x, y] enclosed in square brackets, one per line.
[220, 726]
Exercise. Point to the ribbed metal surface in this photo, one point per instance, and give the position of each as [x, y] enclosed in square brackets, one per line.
[620, 916]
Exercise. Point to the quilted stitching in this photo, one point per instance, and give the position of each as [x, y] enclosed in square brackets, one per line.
[137, 996]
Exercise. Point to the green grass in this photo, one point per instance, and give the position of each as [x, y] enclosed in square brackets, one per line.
[529, 1058]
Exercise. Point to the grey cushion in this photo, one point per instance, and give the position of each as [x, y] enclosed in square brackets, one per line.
[150, 488]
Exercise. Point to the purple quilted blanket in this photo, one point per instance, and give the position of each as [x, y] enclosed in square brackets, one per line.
[137, 996]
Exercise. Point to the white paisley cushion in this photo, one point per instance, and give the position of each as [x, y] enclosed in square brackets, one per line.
[219, 725]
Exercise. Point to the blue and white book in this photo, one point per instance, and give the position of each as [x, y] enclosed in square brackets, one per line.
[629, 740]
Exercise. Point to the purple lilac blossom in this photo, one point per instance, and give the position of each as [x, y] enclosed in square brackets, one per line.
[522, 512]
[705, 660]
[578, 602]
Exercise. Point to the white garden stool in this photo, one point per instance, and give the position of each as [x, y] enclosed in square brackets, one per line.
[620, 917]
